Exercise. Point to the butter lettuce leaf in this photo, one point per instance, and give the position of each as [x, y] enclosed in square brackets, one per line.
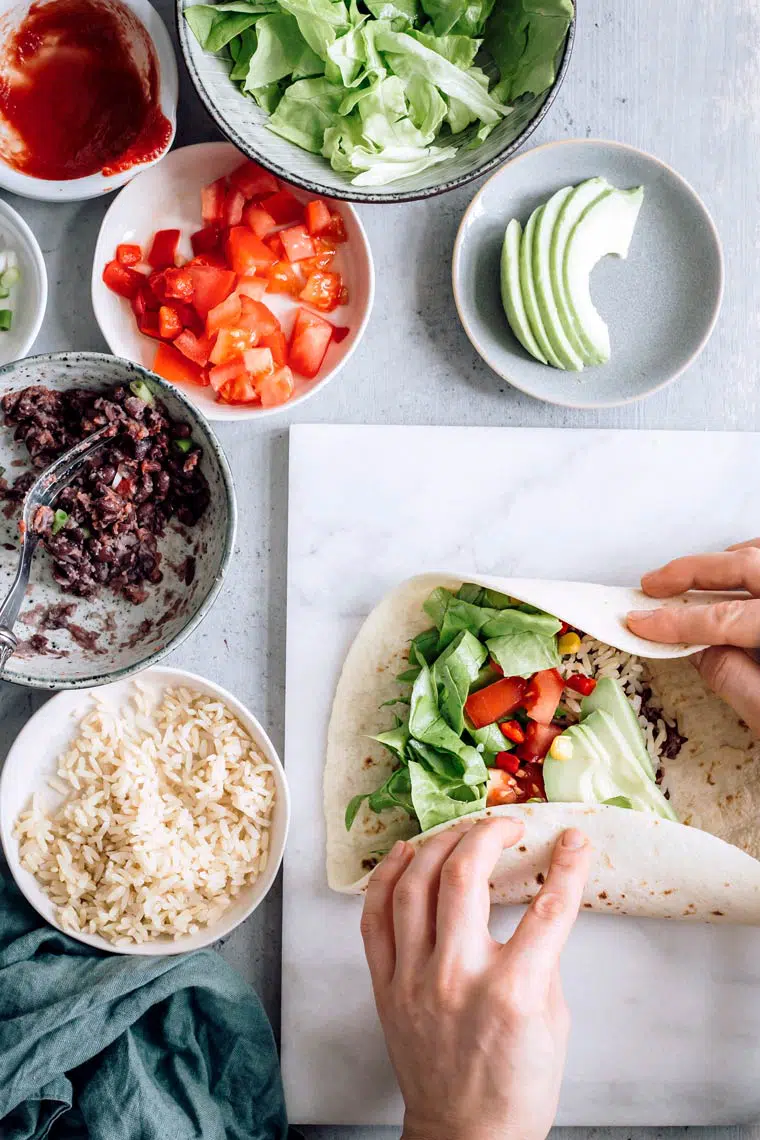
[307, 109]
[281, 51]
[437, 800]
[525, 39]
[522, 654]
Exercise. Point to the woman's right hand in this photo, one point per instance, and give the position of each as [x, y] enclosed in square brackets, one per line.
[731, 628]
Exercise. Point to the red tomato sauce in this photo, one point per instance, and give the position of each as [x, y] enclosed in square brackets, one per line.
[79, 90]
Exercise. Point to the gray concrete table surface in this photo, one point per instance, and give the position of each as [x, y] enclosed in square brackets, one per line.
[679, 78]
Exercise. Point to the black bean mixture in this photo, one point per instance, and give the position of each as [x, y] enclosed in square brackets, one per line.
[104, 528]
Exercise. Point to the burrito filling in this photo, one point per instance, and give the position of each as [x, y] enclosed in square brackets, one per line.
[502, 703]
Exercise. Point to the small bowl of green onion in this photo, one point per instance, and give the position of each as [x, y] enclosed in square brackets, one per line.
[23, 286]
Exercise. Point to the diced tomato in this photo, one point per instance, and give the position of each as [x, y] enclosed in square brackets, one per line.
[221, 374]
[148, 324]
[538, 741]
[318, 216]
[297, 243]
[177, 284]
[258, 361]
[278, 346]
[233, 208]
[508, 762]
[226, 313]
[231, 344]
[340, 332]
[501, 788]
[212, 201]
[336, 231]
[543, 694]
[285, 278]
[246, 252]
[207, 240]
[169, 323]
[324, 255]
[494, 701]
[258, 220]
[323, 290]
[309, 342]
[253, 287]
[128, 254]
[195, 348]
[239, 390]
[210, 286]
[256, 316]
[214, 258]
[123, 280]
[163, 251]
[284, 207]
[253, 181]
[189, 317]
[496, 666]
[274, 242]
[175, 367]
[276, 388]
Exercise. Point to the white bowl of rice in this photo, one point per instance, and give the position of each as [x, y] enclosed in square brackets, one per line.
[144, 817]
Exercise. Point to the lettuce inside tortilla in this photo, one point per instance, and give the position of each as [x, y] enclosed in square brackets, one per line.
[384, 89]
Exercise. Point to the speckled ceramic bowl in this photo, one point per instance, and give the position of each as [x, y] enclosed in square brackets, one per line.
[244, 124]
[107, 638]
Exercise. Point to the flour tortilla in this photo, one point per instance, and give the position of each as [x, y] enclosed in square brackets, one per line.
[704, 869]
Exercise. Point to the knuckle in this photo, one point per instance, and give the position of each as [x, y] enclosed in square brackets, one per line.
[749, 559]
[406, 893]
[548, 905]
[458, 873]
[717, 668]
[371, 925]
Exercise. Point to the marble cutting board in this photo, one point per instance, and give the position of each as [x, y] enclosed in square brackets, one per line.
[666, 1017]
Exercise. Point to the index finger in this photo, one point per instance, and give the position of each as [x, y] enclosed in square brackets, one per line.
[545, 927]
[734, 569]
[724, 623]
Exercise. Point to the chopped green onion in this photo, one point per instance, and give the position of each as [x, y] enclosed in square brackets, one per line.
[183, 445]
[60, 518]
[140, 389]
[6, 319]
[11, 277]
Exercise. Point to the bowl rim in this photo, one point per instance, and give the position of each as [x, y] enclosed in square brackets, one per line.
[352, 193]
[16, 221]
[591, 405]
[155, 949]
[93, 185]
[95, 680]
[235, 413]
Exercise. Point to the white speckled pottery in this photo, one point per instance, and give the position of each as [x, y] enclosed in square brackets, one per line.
[661, 303]
[244, 124]
[126, 637]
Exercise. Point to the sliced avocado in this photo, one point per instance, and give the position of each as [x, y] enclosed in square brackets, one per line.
[528, 288]
[573, 206]
[511, 293]
[542, 279]
[609, 696]
[605, 227]
[602, 767]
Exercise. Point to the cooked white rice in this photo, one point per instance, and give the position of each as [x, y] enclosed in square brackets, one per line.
[595, 659]
[167, 816]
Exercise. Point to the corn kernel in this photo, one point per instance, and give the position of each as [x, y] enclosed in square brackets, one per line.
[569, 643]
[561, 749]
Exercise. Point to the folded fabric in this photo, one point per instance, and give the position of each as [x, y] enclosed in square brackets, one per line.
[96, 1046]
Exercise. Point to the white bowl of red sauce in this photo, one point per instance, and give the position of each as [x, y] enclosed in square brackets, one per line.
[88, 95]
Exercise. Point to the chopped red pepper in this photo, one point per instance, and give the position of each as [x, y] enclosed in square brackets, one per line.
[169, 323]
[123, 280]
[508, 762]
[128, 254]
[513, 731]
[581, 684]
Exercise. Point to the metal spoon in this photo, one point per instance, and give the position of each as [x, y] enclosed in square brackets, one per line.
[42, 493]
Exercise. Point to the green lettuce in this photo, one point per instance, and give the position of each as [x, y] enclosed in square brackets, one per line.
[523, 654]
[437, 800]
[525, 39]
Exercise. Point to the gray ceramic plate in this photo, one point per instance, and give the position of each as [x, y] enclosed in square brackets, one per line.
[244, 124]
[660, 304]
[107, 637]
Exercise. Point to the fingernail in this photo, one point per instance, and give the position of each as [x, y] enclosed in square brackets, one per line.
[574, 839]
[641, 615]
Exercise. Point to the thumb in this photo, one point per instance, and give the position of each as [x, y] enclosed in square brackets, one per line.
[735, 677]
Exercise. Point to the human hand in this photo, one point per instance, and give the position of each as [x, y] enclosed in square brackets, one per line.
[476, 1030]
[730, 628]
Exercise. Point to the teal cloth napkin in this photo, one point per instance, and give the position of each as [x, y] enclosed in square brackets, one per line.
[96, 1046]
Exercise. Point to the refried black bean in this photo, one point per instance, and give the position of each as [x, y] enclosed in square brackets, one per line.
[119, 506]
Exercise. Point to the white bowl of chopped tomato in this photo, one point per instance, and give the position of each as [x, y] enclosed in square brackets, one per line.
[248, 294]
